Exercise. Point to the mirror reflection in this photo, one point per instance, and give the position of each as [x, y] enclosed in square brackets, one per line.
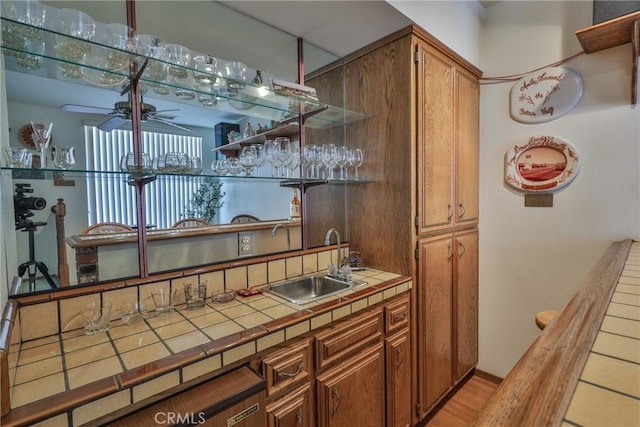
[204, 202]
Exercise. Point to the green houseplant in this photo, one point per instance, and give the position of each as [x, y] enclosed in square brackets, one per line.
[206, 200]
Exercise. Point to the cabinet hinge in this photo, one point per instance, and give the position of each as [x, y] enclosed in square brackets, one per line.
[416, 56]
[417, 221]
[418, 412]
[417, 253]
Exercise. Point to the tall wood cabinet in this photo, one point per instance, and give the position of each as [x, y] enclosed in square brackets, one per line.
[418, 212]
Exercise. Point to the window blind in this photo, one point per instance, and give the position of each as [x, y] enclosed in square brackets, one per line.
[110, 199]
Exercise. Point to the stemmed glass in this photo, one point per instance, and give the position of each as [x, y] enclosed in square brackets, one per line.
[311, 160]
[261, 155]
[343, 160]
[293, 162]
[272, 153]
[41, 137]
[284, 152]
[356, 159]
[329, 158]
[248, 159]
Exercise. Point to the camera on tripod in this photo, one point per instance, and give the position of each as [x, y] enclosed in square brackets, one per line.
[24, 205]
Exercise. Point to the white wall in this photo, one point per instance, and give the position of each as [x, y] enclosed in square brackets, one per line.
[456, 23]
[534, 259]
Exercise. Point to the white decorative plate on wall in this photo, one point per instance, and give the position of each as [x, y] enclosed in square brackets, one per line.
[545, 95]
[541, 164]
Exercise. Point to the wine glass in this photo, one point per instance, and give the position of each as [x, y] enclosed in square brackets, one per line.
[41, 137]
[329, 158]
[248, 158]
[343, 160]
[356, 160]
[272, 150]
[63, 157]
[284, 152]
[261, 155]
[311, 159]
[294, 161]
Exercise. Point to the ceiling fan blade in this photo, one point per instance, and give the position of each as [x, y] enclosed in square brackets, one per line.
[111, 124]
[162, 116]
[166, 122]
[85, 109]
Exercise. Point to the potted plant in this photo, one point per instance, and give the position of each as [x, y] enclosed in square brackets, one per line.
[206, 200]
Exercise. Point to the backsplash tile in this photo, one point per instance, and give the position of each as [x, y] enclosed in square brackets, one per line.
[236, 278]
[257, 274]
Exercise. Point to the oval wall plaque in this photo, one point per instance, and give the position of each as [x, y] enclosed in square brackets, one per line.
[545, 95]
[541, 164]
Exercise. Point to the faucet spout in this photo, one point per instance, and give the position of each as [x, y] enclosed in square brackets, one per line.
[274, 231]
[327, 243]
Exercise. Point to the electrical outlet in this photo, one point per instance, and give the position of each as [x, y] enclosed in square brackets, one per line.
[244, 244]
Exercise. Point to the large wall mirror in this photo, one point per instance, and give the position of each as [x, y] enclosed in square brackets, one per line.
[188, 124]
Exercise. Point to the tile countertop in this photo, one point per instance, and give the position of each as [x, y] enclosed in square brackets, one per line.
[70, 371]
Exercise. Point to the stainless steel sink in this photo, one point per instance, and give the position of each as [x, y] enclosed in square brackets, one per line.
[307, 289]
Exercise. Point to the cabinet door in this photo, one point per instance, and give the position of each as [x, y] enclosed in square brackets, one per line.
[467, 119]
[466, 303]
[435, 109]
[434, 320]
[352, 393]
[398, 351]
[293, 410]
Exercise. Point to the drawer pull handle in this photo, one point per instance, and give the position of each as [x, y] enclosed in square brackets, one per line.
[449, 212]
[450, 256]
[336, 398]
[462, 210]
[292, 374]
[398, 317]
[462, 249]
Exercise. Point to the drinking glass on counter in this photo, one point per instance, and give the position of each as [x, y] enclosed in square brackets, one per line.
[96, 318]
[195, 294]
[164, 300]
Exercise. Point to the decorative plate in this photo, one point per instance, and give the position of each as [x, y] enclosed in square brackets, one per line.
[545, 95]
[542, 164]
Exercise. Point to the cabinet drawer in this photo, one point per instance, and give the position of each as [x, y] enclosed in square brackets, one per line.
[288, 367]
[349, 337]
[397, 315]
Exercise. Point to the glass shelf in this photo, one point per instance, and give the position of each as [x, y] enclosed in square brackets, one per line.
[36, 50]
[53, 174]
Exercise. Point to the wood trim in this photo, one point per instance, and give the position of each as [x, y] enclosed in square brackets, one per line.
[540, 387]
[608, 34]
[411, 29]
[488, 376]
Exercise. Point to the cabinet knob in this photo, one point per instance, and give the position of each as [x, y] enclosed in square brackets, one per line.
[299, 416]
[399, 317]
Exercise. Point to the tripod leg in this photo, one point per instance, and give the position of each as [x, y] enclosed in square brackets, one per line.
[45, 272]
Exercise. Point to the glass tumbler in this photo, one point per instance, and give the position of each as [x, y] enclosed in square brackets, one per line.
[195, 294]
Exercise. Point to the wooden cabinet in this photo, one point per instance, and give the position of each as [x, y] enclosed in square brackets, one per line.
[398, 379]
[353, 392]
[465, 297]
[421, 142]
[289, 374]
[447, 149]
[447, 313]
[295, 409]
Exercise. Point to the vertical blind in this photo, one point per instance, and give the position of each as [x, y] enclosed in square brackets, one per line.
[109, 197]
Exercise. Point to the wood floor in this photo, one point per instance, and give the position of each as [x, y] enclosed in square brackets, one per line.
[464, 405]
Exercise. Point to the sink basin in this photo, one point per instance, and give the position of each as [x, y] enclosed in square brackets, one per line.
[307, 289]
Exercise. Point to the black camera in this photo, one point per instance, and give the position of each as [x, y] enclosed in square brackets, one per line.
[23, 205]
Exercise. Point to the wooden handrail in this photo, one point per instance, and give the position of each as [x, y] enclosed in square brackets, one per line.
[540, 387]
[60, 209]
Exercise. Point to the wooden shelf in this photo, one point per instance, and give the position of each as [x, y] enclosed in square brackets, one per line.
[612, 33]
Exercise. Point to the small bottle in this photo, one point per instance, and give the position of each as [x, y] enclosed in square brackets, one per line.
[294, 207]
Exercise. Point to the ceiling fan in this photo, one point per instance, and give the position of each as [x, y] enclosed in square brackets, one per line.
[121, 112]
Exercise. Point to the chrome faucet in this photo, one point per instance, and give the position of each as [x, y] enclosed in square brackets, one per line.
[326, 241]
[274, 231]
